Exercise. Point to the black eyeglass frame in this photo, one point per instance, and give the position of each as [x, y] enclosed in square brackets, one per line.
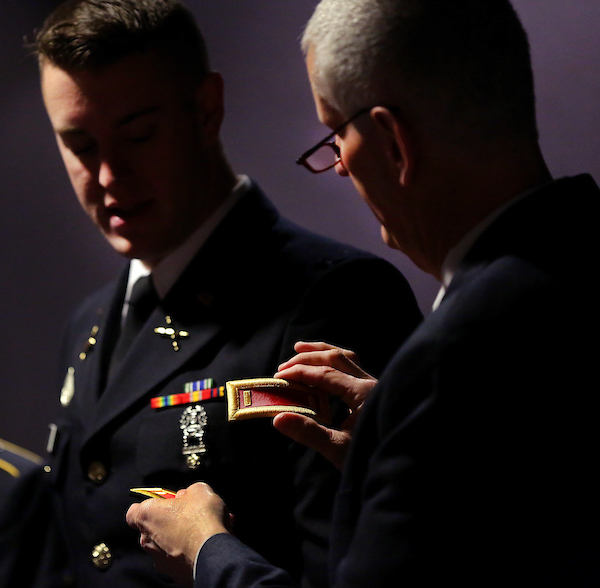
[302, 160]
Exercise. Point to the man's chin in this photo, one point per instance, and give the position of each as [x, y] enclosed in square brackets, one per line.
[388, 239]
[129, 250]
[121, 245]
[148, 256]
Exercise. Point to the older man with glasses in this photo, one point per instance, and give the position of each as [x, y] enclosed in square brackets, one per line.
[472, 463]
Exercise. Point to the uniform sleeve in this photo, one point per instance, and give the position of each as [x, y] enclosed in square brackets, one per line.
[26, 523]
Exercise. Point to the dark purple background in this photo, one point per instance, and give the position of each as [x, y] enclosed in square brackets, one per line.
[52, 256]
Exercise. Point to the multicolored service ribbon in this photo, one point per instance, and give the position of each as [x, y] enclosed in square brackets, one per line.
[193, 392]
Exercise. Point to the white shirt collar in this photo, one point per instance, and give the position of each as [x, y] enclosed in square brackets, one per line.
[457, 253]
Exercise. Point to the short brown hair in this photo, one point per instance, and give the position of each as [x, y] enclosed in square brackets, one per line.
[87, 34]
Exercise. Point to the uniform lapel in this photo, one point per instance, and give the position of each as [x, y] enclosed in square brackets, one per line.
[90, 367]
[150, 360]
[202, 302]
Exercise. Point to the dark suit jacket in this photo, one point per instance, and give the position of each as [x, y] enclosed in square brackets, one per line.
[257, 286]
[474, 462]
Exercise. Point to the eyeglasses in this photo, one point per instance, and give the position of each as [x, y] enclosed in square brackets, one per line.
[326, 154]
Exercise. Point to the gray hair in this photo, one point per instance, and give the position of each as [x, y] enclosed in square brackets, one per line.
[466, 61]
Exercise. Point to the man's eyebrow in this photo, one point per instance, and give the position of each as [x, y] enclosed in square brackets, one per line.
[75, 130]
[135, 115]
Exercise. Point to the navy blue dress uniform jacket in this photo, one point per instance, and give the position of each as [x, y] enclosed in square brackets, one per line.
[474, 461]
[26, 520]
[258, 285]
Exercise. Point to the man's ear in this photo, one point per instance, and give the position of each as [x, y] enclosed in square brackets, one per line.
[397, 142]
[210, 108]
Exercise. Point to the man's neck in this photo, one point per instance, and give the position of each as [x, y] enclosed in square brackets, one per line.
[217, 186]
[171, 266]
[479, 193]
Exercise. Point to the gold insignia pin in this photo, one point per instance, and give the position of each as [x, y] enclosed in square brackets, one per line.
[68, 389]
[170, 332]
[90, 343]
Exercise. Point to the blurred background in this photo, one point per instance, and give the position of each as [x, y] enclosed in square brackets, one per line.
[51, 256]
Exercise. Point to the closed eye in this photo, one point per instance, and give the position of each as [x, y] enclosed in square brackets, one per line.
[140, 126]
[140, 135]
[78, 142]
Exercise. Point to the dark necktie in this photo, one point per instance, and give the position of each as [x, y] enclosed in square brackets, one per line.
[142, 302]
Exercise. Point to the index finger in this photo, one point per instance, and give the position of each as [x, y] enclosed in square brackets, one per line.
[352, 390]
[340, 359]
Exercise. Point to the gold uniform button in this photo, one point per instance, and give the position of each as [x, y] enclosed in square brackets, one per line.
[97, 472]
[101, 556]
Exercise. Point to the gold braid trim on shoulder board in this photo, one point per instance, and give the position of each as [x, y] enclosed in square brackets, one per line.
[20, 451]
[267, 397]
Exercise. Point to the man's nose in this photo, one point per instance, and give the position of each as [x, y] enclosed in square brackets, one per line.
[110, 170]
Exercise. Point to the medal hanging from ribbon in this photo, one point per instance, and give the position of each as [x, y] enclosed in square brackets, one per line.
[193, 422]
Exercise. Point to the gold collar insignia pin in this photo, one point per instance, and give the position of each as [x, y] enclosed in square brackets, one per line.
[90, 343]
[170, 332]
